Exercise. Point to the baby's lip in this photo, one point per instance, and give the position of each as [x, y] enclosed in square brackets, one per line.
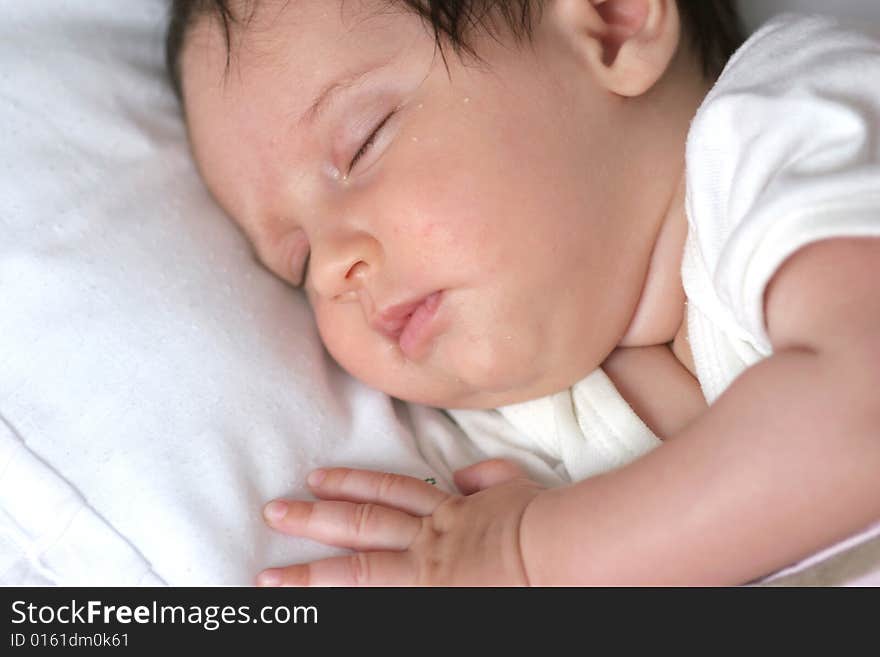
[392, 319]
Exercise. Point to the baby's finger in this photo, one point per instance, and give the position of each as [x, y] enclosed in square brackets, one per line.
[486, 474]
[360, 569]
[392, 490]
[344, 524]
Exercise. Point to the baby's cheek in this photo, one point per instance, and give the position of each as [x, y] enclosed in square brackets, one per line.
[351, 343]
[328, 331]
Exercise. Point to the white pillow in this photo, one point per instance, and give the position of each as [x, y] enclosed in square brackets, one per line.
[157, 386]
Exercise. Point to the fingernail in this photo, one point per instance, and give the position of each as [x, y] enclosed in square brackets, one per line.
[316, 477]
[269, 578]
[275, 511]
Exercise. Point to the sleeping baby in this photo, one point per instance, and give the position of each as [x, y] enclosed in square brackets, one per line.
[579, 227]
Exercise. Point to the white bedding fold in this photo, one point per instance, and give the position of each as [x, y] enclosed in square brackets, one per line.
[49, 535]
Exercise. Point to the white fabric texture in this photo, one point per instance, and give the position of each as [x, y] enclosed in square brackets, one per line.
[783, 152]
[565, 437]
[50, 535]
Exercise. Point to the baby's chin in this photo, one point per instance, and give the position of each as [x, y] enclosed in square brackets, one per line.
[460, 394]
[473, 374]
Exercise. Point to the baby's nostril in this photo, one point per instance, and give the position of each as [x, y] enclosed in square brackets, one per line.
[357, 270]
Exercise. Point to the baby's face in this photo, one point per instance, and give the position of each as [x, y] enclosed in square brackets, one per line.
[506, 195]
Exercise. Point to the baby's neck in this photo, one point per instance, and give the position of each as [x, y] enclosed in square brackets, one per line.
[659, 313]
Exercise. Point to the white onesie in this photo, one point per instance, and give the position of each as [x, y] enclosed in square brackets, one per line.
[784, 151]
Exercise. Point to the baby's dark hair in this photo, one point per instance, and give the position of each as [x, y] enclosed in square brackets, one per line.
[713, 26]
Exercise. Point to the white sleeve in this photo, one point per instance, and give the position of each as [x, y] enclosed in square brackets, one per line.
[784, 151]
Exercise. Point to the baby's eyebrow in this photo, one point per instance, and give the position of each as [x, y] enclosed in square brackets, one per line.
[331, 92]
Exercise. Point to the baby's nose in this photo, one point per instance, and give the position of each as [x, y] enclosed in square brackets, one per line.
[340, 269]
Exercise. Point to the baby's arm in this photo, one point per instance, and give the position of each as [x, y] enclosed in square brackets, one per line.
[784, 463]
[660, 390]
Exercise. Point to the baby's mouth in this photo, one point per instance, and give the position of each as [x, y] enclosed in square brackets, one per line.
[392, 320]
[408, 323]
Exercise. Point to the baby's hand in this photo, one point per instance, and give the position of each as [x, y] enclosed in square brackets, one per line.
[407, 532]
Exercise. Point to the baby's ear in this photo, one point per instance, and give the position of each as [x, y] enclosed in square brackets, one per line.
[627, 44]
